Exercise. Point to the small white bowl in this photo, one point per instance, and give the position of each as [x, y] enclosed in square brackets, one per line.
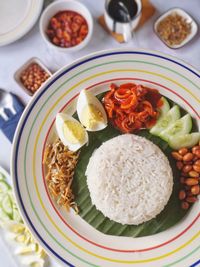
[62, 5]
[189, 19]
[18, 73]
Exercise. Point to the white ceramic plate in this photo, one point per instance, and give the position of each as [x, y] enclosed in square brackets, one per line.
[17, 17]
[65, 235]
[187, 17]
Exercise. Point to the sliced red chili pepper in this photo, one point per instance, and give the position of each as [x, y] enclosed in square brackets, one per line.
[129, 108]
[113, 86]
[108, 95]
[131, 117]
[122, 93]
[130, 102]
[127, 85]
[120, 113]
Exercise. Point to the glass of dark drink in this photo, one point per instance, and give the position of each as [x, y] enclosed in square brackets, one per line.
[122, 16]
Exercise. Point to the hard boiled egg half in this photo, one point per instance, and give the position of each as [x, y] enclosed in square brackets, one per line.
[71, 132]
[91, 112]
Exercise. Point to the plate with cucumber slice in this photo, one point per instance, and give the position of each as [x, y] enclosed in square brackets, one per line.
[174, 129]
[89, 238]
[17, 237]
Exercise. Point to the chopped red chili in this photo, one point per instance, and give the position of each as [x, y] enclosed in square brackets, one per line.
[132, 107]
[67, 28]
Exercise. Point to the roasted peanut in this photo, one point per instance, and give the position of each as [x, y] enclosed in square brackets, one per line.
[197, 153]
[179, 165]
[196, 168]
[183, 151]
[188, 162]
[191, 181]
[184, 205]
[187, 168]
[188, 157]
[197, 162]
[195, 189]
[189, 193]
[193, 174]
[191, 199]
[177, 156]
[195, 148]
[195, 158]
[182, 195]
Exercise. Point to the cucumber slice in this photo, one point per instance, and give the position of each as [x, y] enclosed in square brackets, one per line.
[179, 127]
[163, 122]
[2, 176]
[10, 193]
[6, 205]
[3, 216]
[2, 195]
[186, 140]
[4, 187]
[16, 216]
[165, 107]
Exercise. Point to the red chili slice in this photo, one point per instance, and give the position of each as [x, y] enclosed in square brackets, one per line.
[130, 102]
[122, 93]
[130, 107]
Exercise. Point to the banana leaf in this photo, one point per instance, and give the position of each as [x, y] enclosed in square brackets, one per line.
[170, 216]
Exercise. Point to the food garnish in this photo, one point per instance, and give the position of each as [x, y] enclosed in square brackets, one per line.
[28, 250]
[173, 29]
[188, 163]
[132, 107]
[166, 120]
[186, 140]
[67, 28]
[91, 112]
[61, 163]
[33, 77]
[70, 131]
[177, 128]
[164, 108]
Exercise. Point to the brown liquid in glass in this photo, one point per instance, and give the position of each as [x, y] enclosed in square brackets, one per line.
[118, 13]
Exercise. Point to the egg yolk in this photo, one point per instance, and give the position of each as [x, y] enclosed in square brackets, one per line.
[73, 131]
[91, 115]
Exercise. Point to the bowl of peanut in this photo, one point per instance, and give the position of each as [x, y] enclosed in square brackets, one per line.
[31, 76]
[66, 25]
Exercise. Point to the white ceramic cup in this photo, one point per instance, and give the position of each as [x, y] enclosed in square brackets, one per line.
[124, 28]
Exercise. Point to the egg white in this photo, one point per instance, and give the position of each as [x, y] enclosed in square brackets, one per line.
[60, 119]
[86, 98]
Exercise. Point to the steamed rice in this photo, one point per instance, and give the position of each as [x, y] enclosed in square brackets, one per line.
[129, 179]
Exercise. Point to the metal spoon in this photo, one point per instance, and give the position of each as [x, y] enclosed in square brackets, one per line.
[125, 11]
[6, 102]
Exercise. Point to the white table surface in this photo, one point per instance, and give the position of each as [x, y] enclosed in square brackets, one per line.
[14, 55]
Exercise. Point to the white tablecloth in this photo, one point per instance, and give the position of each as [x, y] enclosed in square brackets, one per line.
[14, 55]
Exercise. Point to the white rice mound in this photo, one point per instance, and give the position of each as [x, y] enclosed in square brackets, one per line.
[129, 179]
